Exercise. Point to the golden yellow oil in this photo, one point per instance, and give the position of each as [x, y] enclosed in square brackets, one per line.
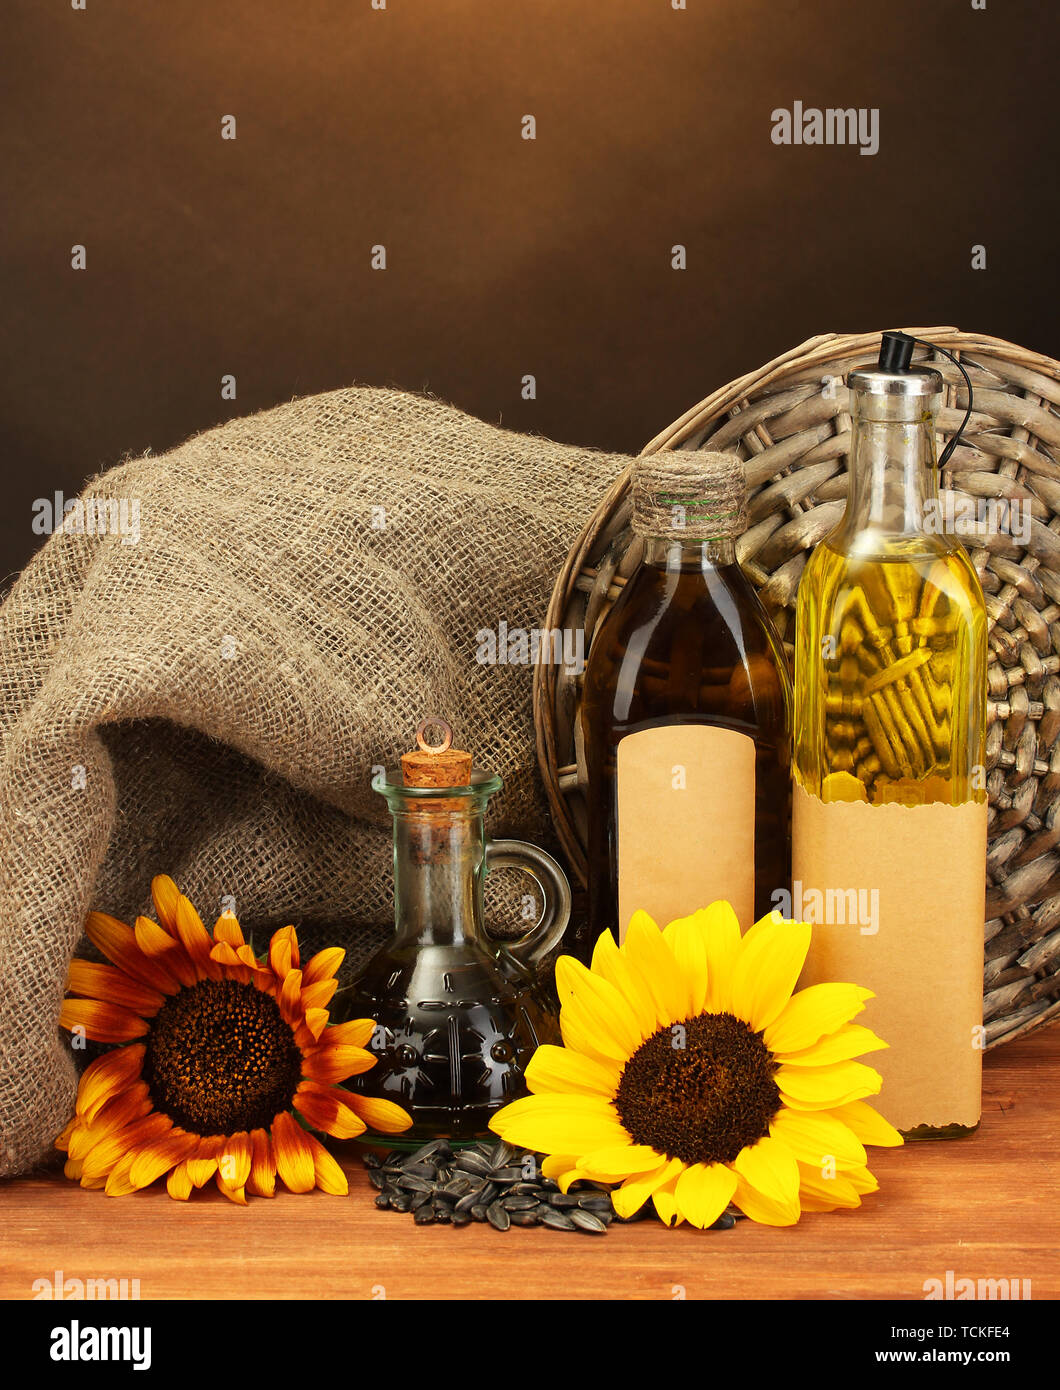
[890, 669]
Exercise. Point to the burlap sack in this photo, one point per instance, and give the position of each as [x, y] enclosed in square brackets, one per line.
[209, 699]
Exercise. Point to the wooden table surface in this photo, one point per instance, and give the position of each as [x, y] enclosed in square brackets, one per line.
[983, 1207]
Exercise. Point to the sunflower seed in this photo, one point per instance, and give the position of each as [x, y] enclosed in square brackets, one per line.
[558, 1220]
[471, 1162]
[469, 1200]
[478, 1212]
[382, 1201]
[488, 1193]
[461, 1218]
[419, 1199]
[427, 1171]
[725, 1222]
[519, 1202]
[372, 1161]
[595, 1203]
[587, 1221]
[429, 1150]
[413, 1184]
[498, 1217]
[377, 1179]
[500, 1154]
[402, 1202]
[442, 1214]
[508, 1175]
[562, 1199]
[456, 1188]
[424, 1216]
[524, 1218]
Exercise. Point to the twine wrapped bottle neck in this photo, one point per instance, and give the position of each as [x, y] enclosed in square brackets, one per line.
[689, 498]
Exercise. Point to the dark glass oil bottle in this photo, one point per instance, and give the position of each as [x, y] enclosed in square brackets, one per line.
[459, 1012]
[687, 647]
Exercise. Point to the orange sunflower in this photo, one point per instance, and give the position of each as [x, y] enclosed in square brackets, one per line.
[218, 1051]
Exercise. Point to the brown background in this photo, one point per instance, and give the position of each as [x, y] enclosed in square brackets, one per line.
[358, 126]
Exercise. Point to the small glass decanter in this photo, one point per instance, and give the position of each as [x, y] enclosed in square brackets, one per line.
[459, 1012]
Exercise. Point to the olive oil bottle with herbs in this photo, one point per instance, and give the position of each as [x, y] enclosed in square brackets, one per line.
[890, 801]
[686, 714]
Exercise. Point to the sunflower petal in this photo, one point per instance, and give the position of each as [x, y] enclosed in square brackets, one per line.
[328, 1062]
[868, 1124]
[158, 1156]
[107, 1077]
[327, 1174]
[113, 1116]
[686, 938]
[118, 943]
[850, 1040]
[379, 1114]
[553, 1123]
[611, 965]
[767, 969]
[112, 986]
[825, 1088]
[559, 1069]
[814, 1137]
[664, 1200]
[234, 1157]
[105, 1023]
[102, 1158]
[653, 962]
[703, 1192]
[202, 1164]
[294, 1156]
[166, 952]
[178, 1184]
[764, 1210]
[323, 965]
[318, 996]
[635, 1191]
[262, 1180]
[330, 1109]
[770, 1168]
[721, 937]
[196, 940]
[356, 1033]
[818, 1193]
[622, 1161]
[227, 929]
[603, 1006]
[813, 1012]
[165, 895]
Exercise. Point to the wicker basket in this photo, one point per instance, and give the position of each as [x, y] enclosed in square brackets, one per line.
[789, 421]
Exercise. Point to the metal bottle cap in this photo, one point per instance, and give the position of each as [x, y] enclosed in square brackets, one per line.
[883, 395]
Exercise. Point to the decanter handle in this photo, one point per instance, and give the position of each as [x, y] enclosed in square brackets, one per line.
[545, 934]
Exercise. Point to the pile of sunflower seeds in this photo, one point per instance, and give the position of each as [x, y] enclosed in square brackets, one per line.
[492, 1183]
[495, 1183]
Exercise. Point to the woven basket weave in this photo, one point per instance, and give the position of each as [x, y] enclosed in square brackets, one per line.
[789, 420]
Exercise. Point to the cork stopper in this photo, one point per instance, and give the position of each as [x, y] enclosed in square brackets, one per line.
[435, 764]
[689, 495]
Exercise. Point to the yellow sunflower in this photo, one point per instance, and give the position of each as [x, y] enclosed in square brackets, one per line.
[232, 1047]
[693, 1076]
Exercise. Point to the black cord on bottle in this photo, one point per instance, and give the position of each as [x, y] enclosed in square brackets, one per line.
[896, 353]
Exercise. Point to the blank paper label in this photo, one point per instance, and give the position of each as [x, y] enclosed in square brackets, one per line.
[901, 891]
[686, 822]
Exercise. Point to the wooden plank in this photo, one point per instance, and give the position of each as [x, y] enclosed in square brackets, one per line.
[984, 1207]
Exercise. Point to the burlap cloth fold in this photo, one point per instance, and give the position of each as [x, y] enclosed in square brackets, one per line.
[209, 699]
